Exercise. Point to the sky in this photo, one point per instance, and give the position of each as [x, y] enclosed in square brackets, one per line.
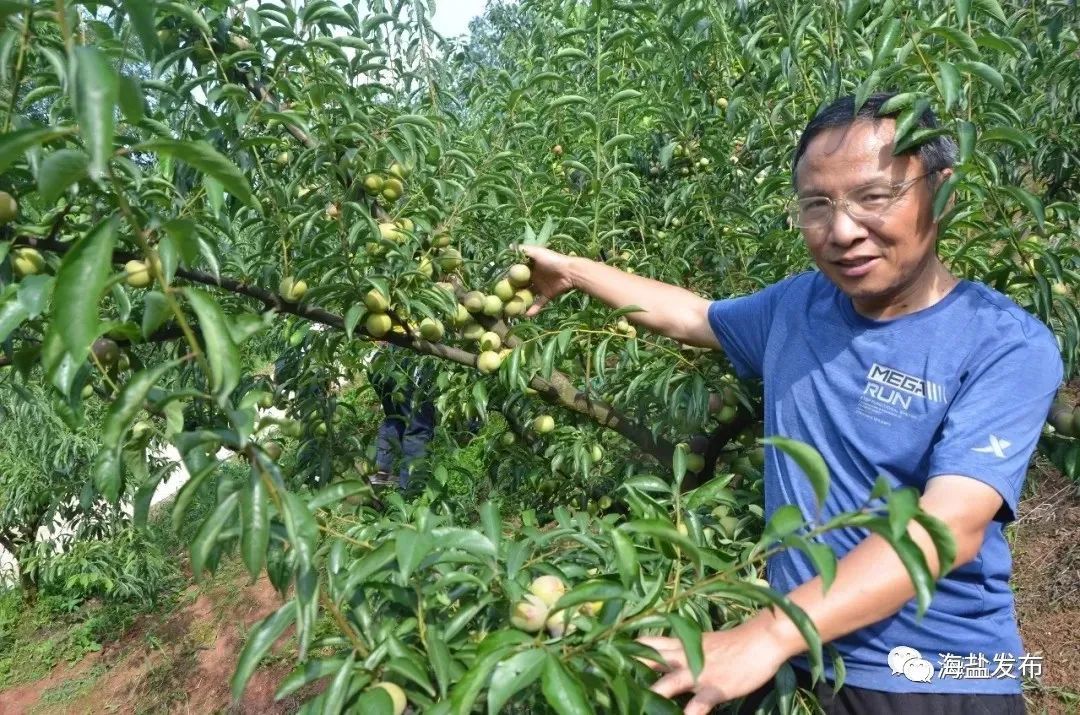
[452, 16]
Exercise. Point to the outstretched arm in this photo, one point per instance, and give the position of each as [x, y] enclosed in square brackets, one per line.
[666, 309]
[762, 644]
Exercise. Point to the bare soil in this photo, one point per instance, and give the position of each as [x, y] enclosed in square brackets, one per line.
[178, 665]
[1046, 582]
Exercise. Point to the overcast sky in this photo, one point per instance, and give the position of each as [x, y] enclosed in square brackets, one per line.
[452, 16]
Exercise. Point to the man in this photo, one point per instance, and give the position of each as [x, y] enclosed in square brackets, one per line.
[404, 389]
[888, 365]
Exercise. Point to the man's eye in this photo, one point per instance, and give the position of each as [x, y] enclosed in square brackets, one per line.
[813, 204]
[874, 198]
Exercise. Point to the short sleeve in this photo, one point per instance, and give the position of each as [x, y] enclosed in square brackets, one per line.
[992, 426]
[742, 327]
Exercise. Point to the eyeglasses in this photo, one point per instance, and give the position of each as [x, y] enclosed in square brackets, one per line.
[862, 204]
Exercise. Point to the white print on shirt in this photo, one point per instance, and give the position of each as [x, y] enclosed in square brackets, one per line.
[890, 393]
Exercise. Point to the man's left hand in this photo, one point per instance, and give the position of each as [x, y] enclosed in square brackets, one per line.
[737, 662]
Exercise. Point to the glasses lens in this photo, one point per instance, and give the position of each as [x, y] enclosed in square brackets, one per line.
[812, 212]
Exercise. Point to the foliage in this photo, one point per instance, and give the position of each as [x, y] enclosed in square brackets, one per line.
[233, 152]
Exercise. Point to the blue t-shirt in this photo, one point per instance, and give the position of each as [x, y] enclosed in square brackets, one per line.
[962, 387]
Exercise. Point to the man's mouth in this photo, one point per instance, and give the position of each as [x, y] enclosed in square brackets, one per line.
[855, 267]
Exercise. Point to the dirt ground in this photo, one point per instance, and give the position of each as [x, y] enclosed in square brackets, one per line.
[179, 665]
[182, 664]
[1046, 579]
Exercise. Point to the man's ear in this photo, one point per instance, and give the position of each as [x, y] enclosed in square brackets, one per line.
[939, 180]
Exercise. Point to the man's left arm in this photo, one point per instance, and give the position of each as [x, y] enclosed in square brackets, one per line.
[761, 645]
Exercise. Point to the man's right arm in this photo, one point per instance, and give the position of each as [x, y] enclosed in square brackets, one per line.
[666, 309]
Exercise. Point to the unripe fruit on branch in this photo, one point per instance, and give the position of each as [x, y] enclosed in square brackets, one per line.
[473, 331]
[592, 608]
[138, 274]
[399, 171]
[1062, 419]
[431, 330]
[440, 239]
[519, 275]
[106, 351]
[283, 159]
[722, 102]
[461, 316]
[473, 301]
[503, 290]
[488, 362]
[514, 307]
[27, 262]
[425, 268]
[1059, 289]
[378, 324]
[273, 450]
[490, 341]
[375, 301]
[560, 623]
[392, 190]
[557, 150]
[526, 296]
[141, 430]
[391, 232]
[406, 224]
[9, 208]
[694, 462]
[507, 439]
[449, 259]
[332, 211]
[543, 424]
[529, 614]
[492, 305]
[397, 695]
[596, 453]
[291, 289]
[373, 184]
[548, 589]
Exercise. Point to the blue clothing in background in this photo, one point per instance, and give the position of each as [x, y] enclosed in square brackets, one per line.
[962, 387]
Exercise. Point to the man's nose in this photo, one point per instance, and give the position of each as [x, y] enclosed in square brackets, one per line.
[846, 230]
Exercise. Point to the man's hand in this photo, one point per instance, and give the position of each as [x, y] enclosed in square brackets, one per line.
[737, 662]
[550, 276]
[664, 309]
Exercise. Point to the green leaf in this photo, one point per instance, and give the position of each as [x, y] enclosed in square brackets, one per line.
[950, 83]
[567, 99]
[254, 523]
[965, 132]
[12, 315]
[303, 534]
[257, 644]
[339, 686]
[809, 461]
[562, 689]
[689, 633]
[626, 558]
[415, 120]
[80, 281]
[942, 535]
[786, 520]
[207, 539]
[411, 548]
[95, 91]
[60, 170]
[130, 96]
[206, 159]
[992, 8]
[155, 311]
[513, 675]
[886, 41]
[336, 492]
[902, 505]
[141, 13]
[597, 590]
[13, 144]
[957, 37]
[221, 351]
[130, 402]
[1029, 200]
[624, 95]
[962, 7]
[984, 72]
[914, 563]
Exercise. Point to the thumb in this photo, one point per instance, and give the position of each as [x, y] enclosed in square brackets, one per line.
[702, 703]
[538, 304]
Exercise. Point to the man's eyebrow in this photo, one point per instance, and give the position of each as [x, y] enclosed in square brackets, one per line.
[880, 179]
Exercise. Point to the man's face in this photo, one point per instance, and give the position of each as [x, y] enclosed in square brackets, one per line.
[876, 261]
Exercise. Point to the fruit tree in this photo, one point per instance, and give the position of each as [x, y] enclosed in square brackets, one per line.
[192, 191]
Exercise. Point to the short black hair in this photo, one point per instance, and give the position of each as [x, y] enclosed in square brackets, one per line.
[936, 154]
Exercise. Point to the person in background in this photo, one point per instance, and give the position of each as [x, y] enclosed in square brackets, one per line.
[405, 390]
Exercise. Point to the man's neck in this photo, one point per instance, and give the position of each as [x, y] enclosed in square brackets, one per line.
[935, 282]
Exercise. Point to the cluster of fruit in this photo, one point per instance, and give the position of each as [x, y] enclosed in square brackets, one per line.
[388, 186]
[1065, 419]
[534, 612]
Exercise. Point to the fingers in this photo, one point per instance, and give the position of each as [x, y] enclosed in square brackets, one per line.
[674, 683]
[670, 649]
[703, 702]
[540, 302]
